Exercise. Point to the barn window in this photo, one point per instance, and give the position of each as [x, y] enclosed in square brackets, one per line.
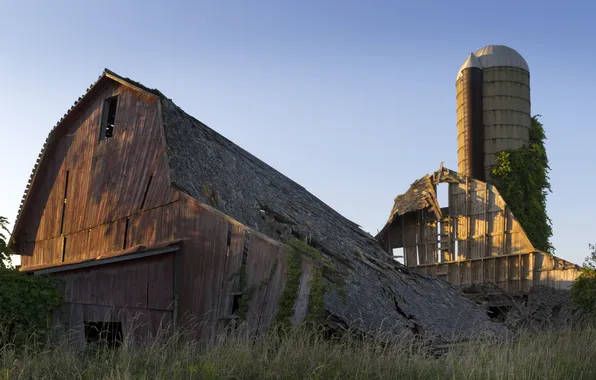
[104, 333]
[398, 254]
[108, 118]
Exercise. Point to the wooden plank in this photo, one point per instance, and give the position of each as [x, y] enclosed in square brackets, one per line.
[108, 178]
[263, 259]
[231, 281]
[160, 282]
[301, 305]
[133, 283]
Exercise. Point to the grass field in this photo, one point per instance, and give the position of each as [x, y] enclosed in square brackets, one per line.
[304, 355]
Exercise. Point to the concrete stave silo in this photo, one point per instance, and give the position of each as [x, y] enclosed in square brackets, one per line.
[505, 108]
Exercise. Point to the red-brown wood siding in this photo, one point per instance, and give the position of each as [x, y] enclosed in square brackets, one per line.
[209, 271]
[145, 283]
[107, 181]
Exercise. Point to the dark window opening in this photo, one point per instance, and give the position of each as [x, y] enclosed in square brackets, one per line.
[236, 303]
[63, 248]
[125, 233]
[108, 334]
[108, 118]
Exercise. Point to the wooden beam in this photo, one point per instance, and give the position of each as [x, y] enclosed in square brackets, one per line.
[109, 260]
[483, 258]
[130, 85]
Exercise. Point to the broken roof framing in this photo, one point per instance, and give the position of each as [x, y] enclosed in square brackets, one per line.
[476, 239]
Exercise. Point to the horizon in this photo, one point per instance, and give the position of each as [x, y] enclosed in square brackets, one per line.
[328, 106]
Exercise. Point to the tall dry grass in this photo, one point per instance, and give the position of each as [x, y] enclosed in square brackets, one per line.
[302, 354]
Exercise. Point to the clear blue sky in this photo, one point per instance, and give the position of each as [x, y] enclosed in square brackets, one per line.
[352, 99]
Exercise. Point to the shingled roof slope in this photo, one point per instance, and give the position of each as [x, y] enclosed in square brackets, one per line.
[250, 190]
[380, 291]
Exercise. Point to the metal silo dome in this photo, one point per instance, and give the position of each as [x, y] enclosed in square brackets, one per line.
[500, 55]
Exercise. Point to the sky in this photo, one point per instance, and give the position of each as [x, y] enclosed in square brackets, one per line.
[354, 100]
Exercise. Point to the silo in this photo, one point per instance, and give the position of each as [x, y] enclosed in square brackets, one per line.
[506, 116]
[470, 129]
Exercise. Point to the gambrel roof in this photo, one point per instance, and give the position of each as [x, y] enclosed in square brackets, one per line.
[204, 164]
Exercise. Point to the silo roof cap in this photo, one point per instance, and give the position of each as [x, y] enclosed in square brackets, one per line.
[495, 56]
[501, 55]
[472, 61]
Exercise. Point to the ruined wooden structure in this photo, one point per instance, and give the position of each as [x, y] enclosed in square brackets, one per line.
[474, 240]
[143, 210]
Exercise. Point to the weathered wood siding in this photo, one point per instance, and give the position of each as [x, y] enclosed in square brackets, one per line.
[221, 261]
[107, 182]
[477, 240]
[138, 293]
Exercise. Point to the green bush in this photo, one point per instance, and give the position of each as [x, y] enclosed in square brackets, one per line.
[26, 301]
[5, 260]
[583, 290]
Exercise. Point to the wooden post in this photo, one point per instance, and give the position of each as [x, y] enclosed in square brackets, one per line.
[505, 217]
[403, 242]
[519, 270]
[389, 249]
[484, 250]
[458, 273]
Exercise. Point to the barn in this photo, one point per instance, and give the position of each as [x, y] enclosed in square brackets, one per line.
[148, 215]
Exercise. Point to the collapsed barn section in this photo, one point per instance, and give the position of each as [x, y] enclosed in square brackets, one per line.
[474, 240]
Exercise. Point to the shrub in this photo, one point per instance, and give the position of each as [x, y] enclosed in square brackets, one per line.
[583, 290]
[26, 301]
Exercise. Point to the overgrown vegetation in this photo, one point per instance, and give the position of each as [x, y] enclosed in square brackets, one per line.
[26, 301]
[287, 300]
[303, 354]
[5, 259]
[522, 179]
[583, 290]
[296, 251]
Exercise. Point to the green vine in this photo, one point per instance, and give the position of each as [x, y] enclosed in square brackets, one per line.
[293, 272]
[247, 293]
[322, 270]
[521, 176]
[316, 298]
[26, 301]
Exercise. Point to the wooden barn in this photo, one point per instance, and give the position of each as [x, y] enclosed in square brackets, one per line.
[145, 212]
[475, 239]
